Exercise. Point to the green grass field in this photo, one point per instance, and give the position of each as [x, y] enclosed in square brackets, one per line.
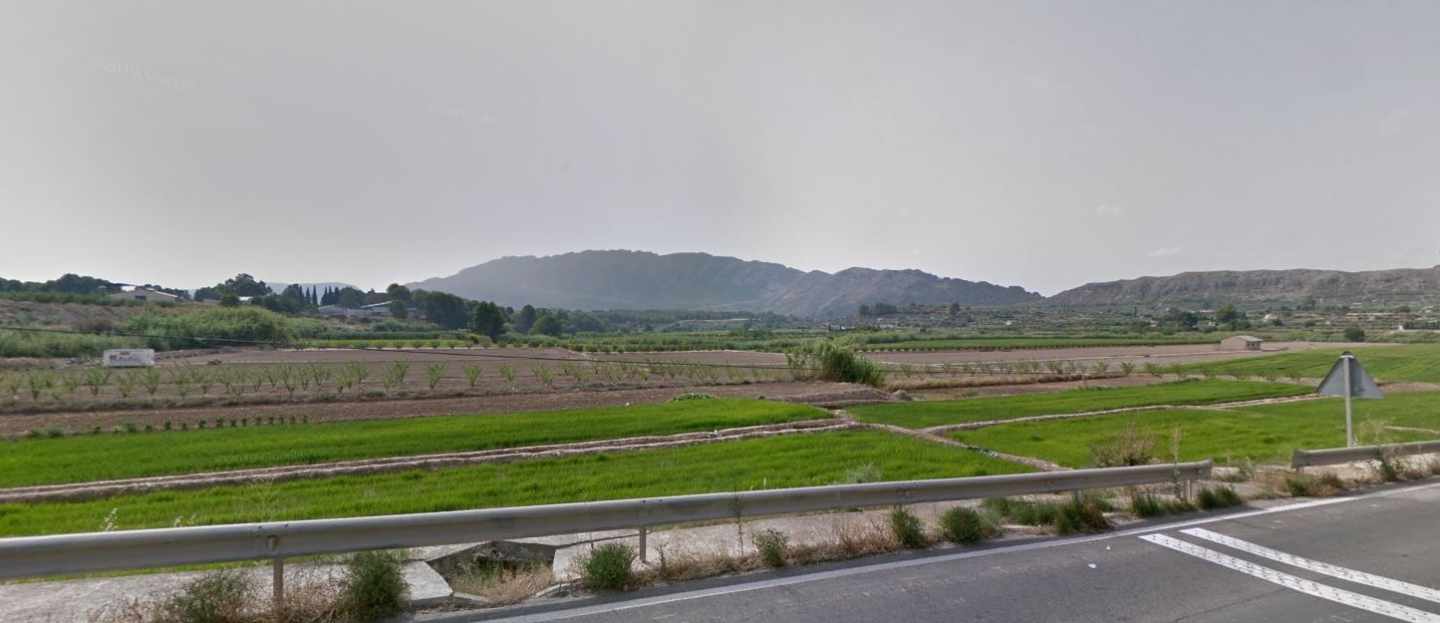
[777, 462]
[1267, 433]
[1414, 362]
[126, 455]
[1193, 392]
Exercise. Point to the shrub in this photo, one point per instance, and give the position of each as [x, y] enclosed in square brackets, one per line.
[1130, 447]
[1149, 505]
[472, 375]
[908, 530]
[608, 567]
[1354, 334]
[434, 373]
[1301, 486]
[828, 361]
[868, 472]
[1217, 497]
[1023, 511]
[692, 396]
[219, 597]
[1081, 514]
[773, 545]
[374, 587]
[967, 526]
[175, 331]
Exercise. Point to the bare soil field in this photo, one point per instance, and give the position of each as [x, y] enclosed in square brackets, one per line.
[253, 377]
[88, 421]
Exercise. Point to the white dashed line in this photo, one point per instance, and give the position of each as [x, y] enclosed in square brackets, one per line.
[1298, 584]
[1349, 575]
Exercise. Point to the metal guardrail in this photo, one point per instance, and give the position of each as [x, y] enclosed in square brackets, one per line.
[136, 549]
[1335, 456]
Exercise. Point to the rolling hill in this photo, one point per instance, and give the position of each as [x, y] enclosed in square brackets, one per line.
[643, 280]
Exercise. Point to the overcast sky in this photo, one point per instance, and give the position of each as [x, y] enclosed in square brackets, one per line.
[1039, 144]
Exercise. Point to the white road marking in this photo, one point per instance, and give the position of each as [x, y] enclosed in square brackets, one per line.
[1294, 583]
[1334, 571]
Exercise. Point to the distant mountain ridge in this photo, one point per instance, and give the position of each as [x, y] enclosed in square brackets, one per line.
[643, 280]
[1394, 286]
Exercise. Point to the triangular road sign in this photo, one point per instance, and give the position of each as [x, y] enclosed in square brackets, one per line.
[1361, 384]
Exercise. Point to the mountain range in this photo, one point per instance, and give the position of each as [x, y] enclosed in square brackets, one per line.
[700, 281]
[1394, 286]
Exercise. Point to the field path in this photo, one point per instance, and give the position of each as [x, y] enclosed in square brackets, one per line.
[1224, 406]
[925, 435]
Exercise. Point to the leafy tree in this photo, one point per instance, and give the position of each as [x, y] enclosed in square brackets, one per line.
[1354, 334]
[525, 319]
[280, 303]
[244, 285]
[447, 310]
[399, 310]
[548, 324]
[397, 292]
[229, 299]
[350, 298]
[488, 319]
[296, 293]
[72, 283]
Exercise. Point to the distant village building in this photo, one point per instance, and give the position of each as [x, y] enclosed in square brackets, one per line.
[135, 293]
[1241, 342]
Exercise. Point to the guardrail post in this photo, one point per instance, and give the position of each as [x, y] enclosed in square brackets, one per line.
[644, 539]
[277, 573]
[277, 566]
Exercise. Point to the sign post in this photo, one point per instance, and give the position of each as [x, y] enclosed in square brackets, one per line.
[1347, 378]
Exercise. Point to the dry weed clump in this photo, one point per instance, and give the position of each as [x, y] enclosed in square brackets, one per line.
[233, 596]
[503, 587]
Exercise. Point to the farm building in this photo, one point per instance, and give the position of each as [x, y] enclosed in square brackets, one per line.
[1241, 342]
[144, 295]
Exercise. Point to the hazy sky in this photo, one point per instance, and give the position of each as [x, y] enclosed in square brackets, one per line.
[1040, 144]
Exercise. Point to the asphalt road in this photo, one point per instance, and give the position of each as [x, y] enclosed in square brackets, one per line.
[1371, 558]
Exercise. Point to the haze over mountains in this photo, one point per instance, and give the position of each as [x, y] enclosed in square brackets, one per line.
[643, 280]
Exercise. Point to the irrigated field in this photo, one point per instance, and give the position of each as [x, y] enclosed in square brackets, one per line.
[1189, 392]
[1266, 433]
[227, 445]
[1414, 362]
[787, 461]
